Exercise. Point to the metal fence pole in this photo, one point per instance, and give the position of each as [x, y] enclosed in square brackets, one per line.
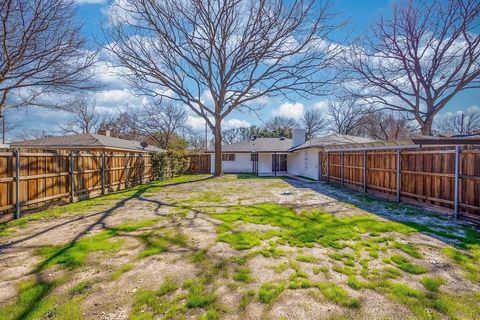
[398, 174]
[365, 172]
[342, 168]
[72, 177]
[457, 186]
[103, 173]
[17, 184]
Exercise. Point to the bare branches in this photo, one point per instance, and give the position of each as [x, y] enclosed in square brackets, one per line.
[41, 51]
[160, 121]
[460, 122]
[314, 122]
[419, 58]
[85, 118]
[233, 51]
[347, 116]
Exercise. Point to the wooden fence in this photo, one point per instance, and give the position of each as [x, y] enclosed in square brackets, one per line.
[447, 178]
[29, 180]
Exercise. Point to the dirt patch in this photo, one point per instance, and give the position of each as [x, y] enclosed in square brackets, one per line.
[169, 240]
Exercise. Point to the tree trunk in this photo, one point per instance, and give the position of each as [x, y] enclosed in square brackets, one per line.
[218, 147]
[427, 126]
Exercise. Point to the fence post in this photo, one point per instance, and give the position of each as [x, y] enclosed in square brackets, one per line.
[320, 162]
[142, 179]
[398, 174]
[17, 184]
[343, 168]
[328, 166]
[103, 173]
[457, 186]
[126, 171]
[72, 177]
[365, 172]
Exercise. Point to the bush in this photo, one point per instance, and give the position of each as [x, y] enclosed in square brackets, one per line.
[169, 164]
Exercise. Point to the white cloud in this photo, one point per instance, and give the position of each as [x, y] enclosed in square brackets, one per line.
[197, 123]
[321, 105]
[91, 1]
[290, 110]
[235, 123]
[117, 98]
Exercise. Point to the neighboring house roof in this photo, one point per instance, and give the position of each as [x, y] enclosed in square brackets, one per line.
[85, 141]
[456, 139]
[331, 140]
[259, 145]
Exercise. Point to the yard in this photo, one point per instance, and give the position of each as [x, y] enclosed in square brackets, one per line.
[238, 247]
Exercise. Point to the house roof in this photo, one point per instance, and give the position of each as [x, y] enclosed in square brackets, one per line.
[259, 145]
[85, 141]
[331, 140]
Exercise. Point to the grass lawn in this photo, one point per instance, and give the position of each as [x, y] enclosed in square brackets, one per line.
[238, 247]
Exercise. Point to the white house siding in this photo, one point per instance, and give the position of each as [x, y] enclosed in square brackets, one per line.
[297, 165]
[264, 163]
[241, 164]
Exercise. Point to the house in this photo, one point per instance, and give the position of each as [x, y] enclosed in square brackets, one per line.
[90, 142]
[279, 156]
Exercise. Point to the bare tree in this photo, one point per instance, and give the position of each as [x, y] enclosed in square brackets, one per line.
[32, 134]
[460, 122]
[388, 126]
[41, 52]
[219, 56]
[121, 125]
[232, 135]
[314, 123]
[419, 57]
[160, 121]
[85, 117]
[281, 126]
[347, 116]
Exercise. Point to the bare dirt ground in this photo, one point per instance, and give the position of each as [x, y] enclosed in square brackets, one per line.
[241, 247]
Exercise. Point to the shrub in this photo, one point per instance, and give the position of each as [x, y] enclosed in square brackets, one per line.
[169, 164]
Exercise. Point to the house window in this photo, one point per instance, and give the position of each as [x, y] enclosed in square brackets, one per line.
[306, 160]
[228, 157]
[254, 157]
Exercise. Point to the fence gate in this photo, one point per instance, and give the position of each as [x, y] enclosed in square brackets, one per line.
[199, 163]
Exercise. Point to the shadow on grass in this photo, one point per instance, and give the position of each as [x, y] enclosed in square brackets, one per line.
[453, 232]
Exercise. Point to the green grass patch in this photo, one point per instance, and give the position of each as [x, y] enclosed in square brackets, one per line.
[468, 261]
[80, 288]
[197, 296]
[305, 258]
[301, 229]
[74, 254]
[242, 274]
[97, 203]
[246, 298]
[409, 249]
[338, 295]
[403, 264]
[432, 283]
[120, 271]
[270, 291]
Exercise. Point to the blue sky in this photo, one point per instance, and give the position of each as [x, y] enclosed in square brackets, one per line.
[117, 95]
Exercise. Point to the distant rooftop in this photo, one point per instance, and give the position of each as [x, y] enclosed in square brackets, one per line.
[331, 140]
[85, 141]
[259, 145]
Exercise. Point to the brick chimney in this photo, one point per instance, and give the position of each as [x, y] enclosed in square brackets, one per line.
[104, 132]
